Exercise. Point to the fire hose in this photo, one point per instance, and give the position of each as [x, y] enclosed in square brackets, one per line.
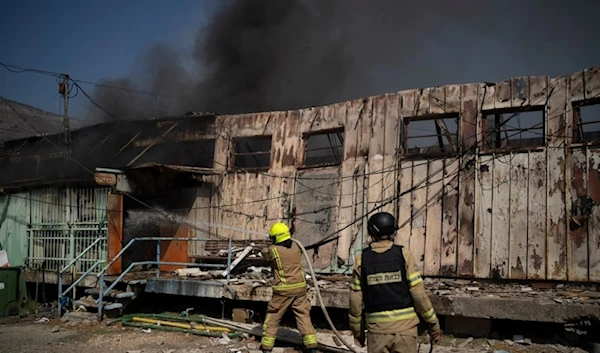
[322, 305]
[320, 298]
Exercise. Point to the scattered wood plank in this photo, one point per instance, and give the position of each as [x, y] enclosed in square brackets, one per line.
[284, 335]
[238, 260]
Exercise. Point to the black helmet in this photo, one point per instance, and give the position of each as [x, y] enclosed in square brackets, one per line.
[382, 224]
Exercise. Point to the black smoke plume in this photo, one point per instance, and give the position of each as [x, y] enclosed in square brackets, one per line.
[258, 55]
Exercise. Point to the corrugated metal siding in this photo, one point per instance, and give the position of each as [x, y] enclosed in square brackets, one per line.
[14, 217]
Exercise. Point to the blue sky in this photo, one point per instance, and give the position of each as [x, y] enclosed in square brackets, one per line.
[89, 40]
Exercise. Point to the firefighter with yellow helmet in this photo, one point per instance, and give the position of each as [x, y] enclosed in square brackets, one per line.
[387, 288]
[289, 289]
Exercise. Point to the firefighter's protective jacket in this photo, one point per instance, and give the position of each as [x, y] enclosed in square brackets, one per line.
[286, 263]
[395, 294]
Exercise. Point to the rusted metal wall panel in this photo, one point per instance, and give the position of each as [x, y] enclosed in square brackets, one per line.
[419, 212]
[390, 165]
[405, 204]
[500, 215]
[538, 90]
[359, 222]
[556, 230]
[452, 99]
[592, 83]
[577, 246]
[115, 213]
[244, 203]
[469, 130]
[246, 125]
[351, 169]
[437, 100]
[449, 218]
[520, 91]
[593, 174]
[483, 216]
[199, 216]
[316, 210]
[284, 147]
[375, 158]
[327, 118]
[502, 94]
[577, 87]
[536, 216]
[422, 102]
[433, 234]
[517, 219]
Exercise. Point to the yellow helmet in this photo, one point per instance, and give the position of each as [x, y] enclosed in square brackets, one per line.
[279, 232]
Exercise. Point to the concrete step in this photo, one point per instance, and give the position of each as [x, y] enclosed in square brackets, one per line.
[91, 304]
[113, 293]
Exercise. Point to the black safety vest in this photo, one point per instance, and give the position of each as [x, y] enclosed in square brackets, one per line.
[383, 280]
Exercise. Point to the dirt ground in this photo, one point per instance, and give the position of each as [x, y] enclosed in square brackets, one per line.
[25, 336]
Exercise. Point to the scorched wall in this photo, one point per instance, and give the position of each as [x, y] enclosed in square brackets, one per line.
[482, 203]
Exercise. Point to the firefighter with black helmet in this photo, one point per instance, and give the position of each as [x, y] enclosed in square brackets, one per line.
[289, 290]
[387, 288]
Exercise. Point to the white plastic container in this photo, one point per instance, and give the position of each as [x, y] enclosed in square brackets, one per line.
[3, 258]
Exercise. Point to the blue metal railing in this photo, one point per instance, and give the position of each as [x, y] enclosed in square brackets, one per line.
[158, 263]
[103, 293]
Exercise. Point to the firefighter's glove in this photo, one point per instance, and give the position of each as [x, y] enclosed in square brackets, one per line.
[435, 332]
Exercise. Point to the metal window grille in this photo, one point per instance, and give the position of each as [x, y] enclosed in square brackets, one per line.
[63, 222]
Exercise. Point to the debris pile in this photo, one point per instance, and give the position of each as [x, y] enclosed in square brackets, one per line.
[259, 276]
[222, 332]
[559, 293]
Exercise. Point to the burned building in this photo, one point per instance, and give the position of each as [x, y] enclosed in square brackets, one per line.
[495, 181]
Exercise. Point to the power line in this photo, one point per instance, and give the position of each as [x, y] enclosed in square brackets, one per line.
[18, 70]
[201, 156]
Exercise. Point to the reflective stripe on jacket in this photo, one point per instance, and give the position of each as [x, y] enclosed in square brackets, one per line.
[286, 261]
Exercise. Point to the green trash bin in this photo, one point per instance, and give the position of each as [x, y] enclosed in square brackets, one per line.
[9, 291]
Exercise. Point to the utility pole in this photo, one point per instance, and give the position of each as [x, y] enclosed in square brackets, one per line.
[63, 89]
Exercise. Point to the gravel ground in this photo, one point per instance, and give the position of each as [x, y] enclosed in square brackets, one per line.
[26, 336]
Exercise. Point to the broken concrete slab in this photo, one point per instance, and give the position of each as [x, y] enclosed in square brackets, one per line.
[482, 307]
[528, 309]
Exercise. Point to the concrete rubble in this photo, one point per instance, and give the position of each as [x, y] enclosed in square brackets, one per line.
[558, 293]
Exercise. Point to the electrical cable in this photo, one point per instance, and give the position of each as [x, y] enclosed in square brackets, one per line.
[412, 189]
[59, 75]
[393, 199]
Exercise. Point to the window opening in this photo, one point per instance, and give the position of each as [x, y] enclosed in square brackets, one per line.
[252, 152]
[430, 135]
[325, 148]
[586, 121]
[513, 129]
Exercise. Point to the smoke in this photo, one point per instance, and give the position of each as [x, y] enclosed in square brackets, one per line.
[257, 55]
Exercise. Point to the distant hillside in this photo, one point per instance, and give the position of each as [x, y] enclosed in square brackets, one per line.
[13, 126]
